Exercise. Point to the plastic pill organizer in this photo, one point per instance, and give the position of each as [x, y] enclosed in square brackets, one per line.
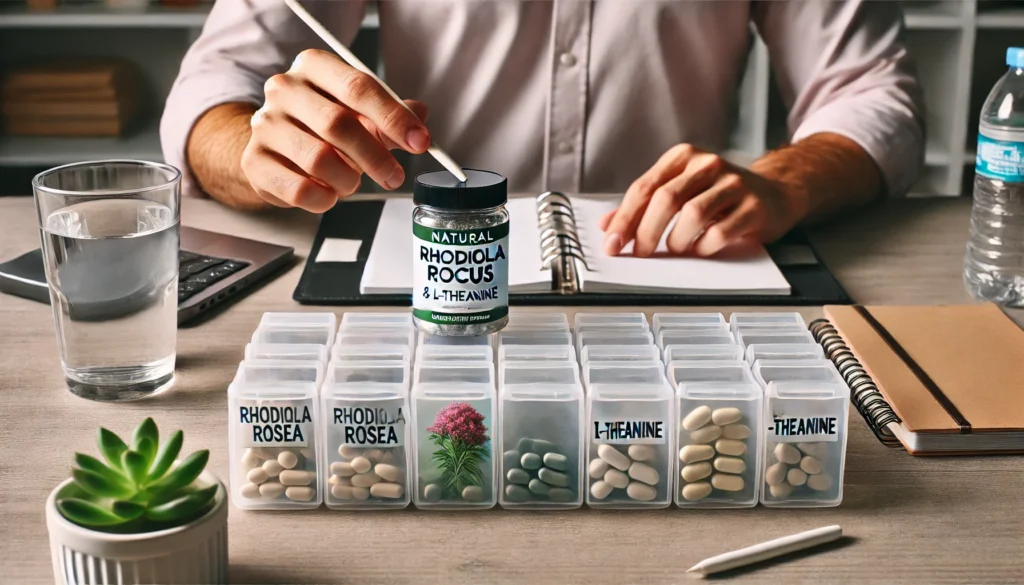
[614, 411]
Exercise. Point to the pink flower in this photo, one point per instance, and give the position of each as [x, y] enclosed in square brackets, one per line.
[461, 422]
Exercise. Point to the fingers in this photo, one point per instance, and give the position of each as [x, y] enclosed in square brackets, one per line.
[605, 220]
[363, 94]
[418, 108]
[280, 184]
[745, 220]
[700, 211]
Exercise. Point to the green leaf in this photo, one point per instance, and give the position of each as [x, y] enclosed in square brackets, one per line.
[128, 510]
[99, 485]
[111, 446]
[135, 464]
[90, 463]
[146, 447]
[145, 430]
[182, 475]
[86, 513]
[166, 455]
[183, 507]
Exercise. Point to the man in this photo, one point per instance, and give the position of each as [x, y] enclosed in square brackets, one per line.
[569, 95]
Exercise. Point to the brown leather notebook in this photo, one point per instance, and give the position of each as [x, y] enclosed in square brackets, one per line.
[939, 380]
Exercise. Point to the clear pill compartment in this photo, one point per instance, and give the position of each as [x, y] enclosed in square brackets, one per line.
[739, 321]
[365, 437]
[620, 353]
[379, 372]
[426, 339]
[638, 320]
[308, 334]
[366, 353]
[310, 319]
[718, 459]
[661, 321]
[453, 416]
[748, 337]
[504, 338]
[536, 353]
[682, 372]
[386, 336]
[539, 434]
[804, 444]
[272, 443]
[698, 337]
[456, 353]
[792, 370]
[629, 436]
[286, 351]
[612, 338]
[671, 353]
[784, 351]
[260, 371]
[355, 319]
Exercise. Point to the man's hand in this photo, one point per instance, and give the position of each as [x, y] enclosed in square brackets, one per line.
[720, 204]
[322, 126]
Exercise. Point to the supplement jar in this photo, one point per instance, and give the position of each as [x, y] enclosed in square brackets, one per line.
[460, 253]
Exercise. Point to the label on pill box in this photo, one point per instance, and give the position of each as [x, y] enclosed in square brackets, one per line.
[630, 432]
[275, 425]
[803, 428]
[377, 427]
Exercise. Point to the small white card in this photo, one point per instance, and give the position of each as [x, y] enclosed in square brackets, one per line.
[339, 250]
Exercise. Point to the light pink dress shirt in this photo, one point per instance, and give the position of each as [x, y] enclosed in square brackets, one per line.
[584, 95]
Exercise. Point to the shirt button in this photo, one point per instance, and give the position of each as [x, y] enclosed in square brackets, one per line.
[567, 59]
[565, 147]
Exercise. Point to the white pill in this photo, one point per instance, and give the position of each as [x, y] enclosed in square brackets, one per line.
[256, 475]
[374, 455]
[599, 490]
[731, 447]
[296, 477]
[361, 493]
[814, 449]
[727, 482]
[697, 418]
[272, 467]
[641, 491]
[271, 489]
[391, 491]
[338, 480]
[264, 452]
[616, 479]
[342, 469]
[250, 459]
[820, 482]
[388, 456]
[736, 431]
[598, 467]
[796, 477]
[730, 464]
[365, 479]
[613, 456]
[726, 416]
[300, 494]
[696, 491]
[432, 492]
[288, 459]
[389, 472]
[775, 474]
[810, 465]
[342, 492]
[706, 434]
[787, 453]
[641, 452]
[692, 453]
[781, 491]
[361, 464]
[473, 493]
[696, 471]
[349, 451]
[250, 490]
[645, 473]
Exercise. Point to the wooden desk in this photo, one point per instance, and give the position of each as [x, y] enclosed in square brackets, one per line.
[912, 520]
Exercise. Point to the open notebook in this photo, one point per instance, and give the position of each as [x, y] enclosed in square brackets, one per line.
[544, 239]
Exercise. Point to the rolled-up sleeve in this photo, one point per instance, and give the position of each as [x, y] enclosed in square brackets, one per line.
[843, 68]
[242, 44]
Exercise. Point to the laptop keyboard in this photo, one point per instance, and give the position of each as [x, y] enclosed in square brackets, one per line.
[196, 272]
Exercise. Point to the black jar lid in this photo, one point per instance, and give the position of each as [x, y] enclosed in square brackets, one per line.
[482, 190]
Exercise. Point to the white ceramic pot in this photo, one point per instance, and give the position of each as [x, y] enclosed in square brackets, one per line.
[196, 553]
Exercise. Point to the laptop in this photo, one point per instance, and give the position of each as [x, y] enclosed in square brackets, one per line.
[212, 269]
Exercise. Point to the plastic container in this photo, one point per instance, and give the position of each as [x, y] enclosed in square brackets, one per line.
[672, 353]
[298, 334]
[661, 321]
[532, 338]
[456, 353]
[260, 371]
[302, 323]
[638, 320]
[536, 353]
[620, 353]
[453, 416]
[788, 370]
[401, 337]
[376, 320]
[719, 456]
[365, 437]
[748, 337]
[805, 444]
[630, 430]
[669, 337]
[539, 434]
[428, 339]
[376, 371]
[784, 351]
[741, 320]
[286, 351]
[364, 353]
[612, 338]
[681, 372]
[538, 321]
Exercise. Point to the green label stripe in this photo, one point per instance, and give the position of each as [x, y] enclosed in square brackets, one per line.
[473, 237]
[440, 318]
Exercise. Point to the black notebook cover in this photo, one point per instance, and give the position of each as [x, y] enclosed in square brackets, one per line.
[337, 283]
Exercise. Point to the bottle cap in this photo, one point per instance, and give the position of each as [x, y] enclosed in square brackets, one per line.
[1015, 57]
[482, 190]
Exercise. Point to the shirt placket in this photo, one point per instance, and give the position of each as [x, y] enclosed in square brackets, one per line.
[567, 98]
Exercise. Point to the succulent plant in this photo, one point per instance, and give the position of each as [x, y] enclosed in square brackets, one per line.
[139, 488]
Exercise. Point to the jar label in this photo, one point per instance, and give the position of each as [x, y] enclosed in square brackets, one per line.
[369, 426]
[460, 276]
[630, 432]
[803, 428]
[1000, 159]
[275, 425]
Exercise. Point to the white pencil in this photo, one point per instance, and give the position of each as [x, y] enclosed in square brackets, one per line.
[766, 550]
[350, 58]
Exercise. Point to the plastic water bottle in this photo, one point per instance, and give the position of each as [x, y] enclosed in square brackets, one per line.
[994, 263]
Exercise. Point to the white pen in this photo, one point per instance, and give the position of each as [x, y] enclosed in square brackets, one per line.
[350, 58]
[766, 550]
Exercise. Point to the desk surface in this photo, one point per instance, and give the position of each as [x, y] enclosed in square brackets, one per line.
[911, 520]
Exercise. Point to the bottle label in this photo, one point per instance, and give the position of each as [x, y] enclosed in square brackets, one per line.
[999, 159]
[269, 424]
[460, 276]
[630, 432]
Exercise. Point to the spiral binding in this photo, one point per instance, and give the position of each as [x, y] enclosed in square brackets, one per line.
[863, 392]
[560, 240]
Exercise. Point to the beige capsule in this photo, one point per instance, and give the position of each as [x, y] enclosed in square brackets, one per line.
[696, 471]
[271, 489]
[775, 474]
[706, 434]
[692, 453]
[250, 490]
[736, 431]
[296, 477]
[796, 477]
[272, 467]
[250, 459]
[726, 416]
[641, 452]
[727, 482]
[731, 447]
[692, 492]
[349, 451]
[374, 455]
[339, 480]
[342, 492]
[613, 456]
[387, 490]
[365, 480]
[616, 479]
[287, 459]
[641, 491]
[342, 469]
[361, 464]
[730, 464]
[811, 465]
[360, 493]
[256, 475]
[598, 467]
[820, 483]
[817, 450]
[787, 453]
[300, 493]
[389, 472]
[599, 490]
[473, 493]
[645, 473]
[697, 418]
[781, 491]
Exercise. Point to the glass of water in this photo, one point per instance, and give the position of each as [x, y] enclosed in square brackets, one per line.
[110, 243]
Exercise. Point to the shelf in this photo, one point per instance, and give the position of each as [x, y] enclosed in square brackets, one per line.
[1001, 18]
[926, 20]
[54, 150]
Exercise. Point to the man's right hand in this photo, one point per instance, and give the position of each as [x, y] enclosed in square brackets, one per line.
[322, 126]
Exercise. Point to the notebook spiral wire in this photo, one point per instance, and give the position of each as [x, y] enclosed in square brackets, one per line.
[863, 392]
[560, 247]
